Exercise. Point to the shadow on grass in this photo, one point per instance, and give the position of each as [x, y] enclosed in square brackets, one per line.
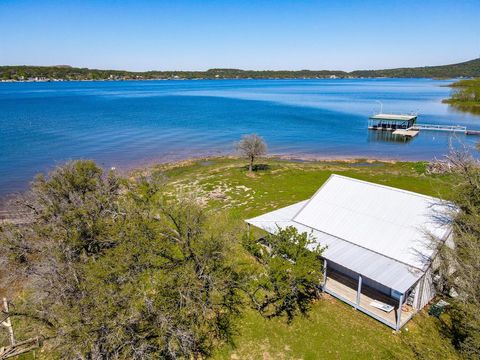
[258, 167]
[449, 331]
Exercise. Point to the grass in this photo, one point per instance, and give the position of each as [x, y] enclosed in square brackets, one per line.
[332, 329]
[224, 183]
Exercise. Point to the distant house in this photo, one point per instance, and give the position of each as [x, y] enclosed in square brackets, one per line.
[379, 256]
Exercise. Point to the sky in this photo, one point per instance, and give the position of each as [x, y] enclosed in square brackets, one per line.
[278, 34]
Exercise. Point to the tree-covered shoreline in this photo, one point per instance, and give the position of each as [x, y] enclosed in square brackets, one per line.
[465, 96]
[67, 73]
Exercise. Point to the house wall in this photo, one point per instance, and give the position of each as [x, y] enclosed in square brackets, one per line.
[425, 290]
[418, 290]
[365, 281]
[377, 286]
[449, 242]
[426, 286]
[342, 269]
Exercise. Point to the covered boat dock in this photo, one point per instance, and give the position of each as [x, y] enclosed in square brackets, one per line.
[391, 122]
[406, 126]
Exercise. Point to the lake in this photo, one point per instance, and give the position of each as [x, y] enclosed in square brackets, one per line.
[124, 124]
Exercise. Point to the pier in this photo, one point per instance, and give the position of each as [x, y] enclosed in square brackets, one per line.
[406, 125]
[433, 127]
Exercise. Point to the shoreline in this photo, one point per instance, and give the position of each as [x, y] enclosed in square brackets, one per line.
[9, 212]
[144, 167]
[125, 168]
[300, 158]
[139, 166]
[274, 156]
[228, 78]
[329, 158]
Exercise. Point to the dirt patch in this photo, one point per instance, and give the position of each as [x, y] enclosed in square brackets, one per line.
[306, 158]
[328, 297]
[217, 194]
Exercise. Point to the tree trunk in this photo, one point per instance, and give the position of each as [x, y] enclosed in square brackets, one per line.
[250, 166]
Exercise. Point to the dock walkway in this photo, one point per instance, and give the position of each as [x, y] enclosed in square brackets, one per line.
[435, 127]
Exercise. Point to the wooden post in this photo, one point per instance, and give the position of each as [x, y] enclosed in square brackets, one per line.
[359, 290]
[8, 323]
[15, 348]
[248, 230]
[399, 312]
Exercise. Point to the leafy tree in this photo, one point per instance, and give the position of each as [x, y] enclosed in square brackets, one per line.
[70, 221]
[292, 272]
[251, 146]
[111, 269]
[176, 289]
[122, 276]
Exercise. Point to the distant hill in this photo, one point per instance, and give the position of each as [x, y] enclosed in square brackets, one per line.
[64, 72]
[465, 69]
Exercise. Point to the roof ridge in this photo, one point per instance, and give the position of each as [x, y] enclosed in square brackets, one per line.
[367, 183]
[384, 186]
[310, 199]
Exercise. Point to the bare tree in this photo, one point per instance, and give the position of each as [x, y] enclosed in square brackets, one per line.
[251, 146]
[459, 261]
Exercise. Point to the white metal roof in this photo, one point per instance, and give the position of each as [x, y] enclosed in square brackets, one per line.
[374, 230]
[389, 221]
[393, 117]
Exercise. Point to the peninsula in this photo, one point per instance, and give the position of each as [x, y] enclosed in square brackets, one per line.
[465, 96]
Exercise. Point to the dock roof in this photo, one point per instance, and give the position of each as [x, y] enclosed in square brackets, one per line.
[377, 231]
[393, 117]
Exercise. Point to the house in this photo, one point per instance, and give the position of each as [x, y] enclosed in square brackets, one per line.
[379, 256]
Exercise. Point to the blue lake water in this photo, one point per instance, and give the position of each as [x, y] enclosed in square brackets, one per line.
[127, 123]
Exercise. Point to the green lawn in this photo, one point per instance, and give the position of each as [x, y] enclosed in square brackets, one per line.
[332, 329]
[224, 183]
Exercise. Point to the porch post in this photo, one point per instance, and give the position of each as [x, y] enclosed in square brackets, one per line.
[399, 312]
[359, 290]
[324, 273]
